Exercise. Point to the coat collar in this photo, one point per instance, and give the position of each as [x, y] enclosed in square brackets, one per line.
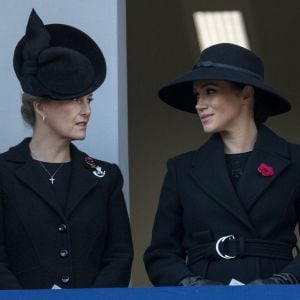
[81, 182]
[30, 175]
[210, 172]
[19, 153]
[271, 150]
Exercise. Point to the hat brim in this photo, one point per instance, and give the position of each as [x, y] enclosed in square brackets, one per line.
[179, 93]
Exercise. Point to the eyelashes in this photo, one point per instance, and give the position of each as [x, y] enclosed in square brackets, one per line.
[82, 99]
[205, 92]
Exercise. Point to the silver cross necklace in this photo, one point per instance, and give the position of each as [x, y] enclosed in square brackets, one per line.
[52, 179]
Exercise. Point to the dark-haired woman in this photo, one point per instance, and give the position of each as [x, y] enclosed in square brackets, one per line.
[229, 209]
[63, 218]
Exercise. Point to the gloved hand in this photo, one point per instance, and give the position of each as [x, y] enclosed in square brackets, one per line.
[197, 281]
[281, 278]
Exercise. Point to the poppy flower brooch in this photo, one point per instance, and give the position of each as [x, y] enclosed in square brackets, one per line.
[265, 170]
[97, 170]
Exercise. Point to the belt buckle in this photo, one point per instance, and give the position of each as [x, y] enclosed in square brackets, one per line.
[222, 240]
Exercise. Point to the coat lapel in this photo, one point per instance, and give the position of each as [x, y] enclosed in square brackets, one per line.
[31, 176]
[82, 177]
[210, 172]
[82, 180]
[271, 150]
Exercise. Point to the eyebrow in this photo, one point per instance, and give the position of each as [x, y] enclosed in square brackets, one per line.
[208, 83]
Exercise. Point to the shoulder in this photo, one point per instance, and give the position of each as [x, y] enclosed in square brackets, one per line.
[270, 141]
[294, 148]
[295, 151]
[183, 162]
[187, 158]
[15, 156]
[104, 169]
[183, 157]
[110, 168]
[17, 152]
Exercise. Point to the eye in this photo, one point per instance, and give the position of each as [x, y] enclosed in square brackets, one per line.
[90, 99]
[210, 91]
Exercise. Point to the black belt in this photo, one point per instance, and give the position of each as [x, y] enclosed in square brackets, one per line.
[229, 247]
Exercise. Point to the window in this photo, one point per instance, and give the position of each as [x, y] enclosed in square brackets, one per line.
[220, 26]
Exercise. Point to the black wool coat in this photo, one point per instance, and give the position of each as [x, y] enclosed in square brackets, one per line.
[198, 205]
[87, 245]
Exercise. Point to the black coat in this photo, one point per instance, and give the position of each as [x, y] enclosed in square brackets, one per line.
[94, 229]
[198, 205]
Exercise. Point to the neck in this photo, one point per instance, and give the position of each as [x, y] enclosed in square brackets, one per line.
[49, 150]
[240, 140]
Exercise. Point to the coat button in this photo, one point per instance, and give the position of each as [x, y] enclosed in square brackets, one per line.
[63, 253]
[65, 279]
[62, 227]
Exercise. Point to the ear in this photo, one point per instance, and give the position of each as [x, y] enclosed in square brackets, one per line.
[248, 93]
[39, 109]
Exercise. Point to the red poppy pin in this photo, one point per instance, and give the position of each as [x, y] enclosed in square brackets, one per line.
[97, 169]
[265, 170]
[90, 162]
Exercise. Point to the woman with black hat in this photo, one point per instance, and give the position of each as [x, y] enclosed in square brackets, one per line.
[63, 216]
[228, 210]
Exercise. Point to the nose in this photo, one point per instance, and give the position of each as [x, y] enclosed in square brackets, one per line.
[85, 107]
[201, 104]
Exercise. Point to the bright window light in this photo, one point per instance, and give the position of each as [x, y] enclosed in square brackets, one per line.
[220, 27]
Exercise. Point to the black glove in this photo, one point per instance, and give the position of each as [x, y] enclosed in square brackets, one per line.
[281, 278]
[197, 281]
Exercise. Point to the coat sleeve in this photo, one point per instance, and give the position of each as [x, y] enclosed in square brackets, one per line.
[118, 254]
[165, 257]
[7, 278]
[294, 266]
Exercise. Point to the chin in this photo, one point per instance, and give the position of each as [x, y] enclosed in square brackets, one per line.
[78, 138]
[209, 130]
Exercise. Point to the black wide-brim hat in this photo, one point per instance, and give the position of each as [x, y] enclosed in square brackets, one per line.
[226, 62]
[58, 61]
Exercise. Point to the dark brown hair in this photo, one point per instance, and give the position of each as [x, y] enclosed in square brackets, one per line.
[260, 112]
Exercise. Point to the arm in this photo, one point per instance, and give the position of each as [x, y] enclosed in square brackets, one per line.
[7, 278]
[291, 273]
[294, 266]
[165, 257]
[118, 254]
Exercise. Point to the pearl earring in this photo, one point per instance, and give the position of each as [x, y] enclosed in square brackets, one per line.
[44, 118]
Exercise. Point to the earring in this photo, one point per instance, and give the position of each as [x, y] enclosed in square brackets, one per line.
[44, 118]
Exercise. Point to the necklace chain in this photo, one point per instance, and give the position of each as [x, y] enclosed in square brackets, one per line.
[52, 179]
